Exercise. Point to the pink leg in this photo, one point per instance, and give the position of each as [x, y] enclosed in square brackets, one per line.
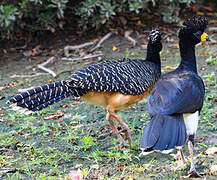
[124, 125]
[113, 126]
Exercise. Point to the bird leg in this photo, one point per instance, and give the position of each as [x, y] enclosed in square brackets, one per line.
[182, 156]
[124, 125]
[192, 172]
[113, 126]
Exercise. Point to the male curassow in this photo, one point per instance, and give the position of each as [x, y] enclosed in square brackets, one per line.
[113, 85]
[177, 98]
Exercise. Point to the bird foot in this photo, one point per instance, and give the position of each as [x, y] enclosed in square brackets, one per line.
[181, 164]
[124, 143]
[194, 174]
[127, 136]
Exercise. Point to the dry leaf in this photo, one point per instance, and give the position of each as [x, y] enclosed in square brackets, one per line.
[212, 150]
[213, 21]
[194, 8]
[54, 116]
[139, 23]
[114, 48]
[55, 70]
[75, 103]
[28, 53]
[12, 49]
[175, 46]
[133, 54]
[200, 13]
[169, 67]
[4, 87]
[143, 46]
[213, 169]
[66, 106]
[13, 84]
[75, 175]
[161, 52]
[204, 53]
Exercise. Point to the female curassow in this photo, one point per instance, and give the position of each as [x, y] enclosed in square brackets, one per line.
[112, 84]
[177, 98]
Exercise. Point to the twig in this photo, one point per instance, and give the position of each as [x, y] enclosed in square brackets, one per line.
[101, 41]
[214, 29]
[41, 66]
[81, 58]
[127, 35]
[27, 75]
[69, 48]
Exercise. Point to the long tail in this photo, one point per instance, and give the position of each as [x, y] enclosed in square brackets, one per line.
[42, 96]
[163, 133]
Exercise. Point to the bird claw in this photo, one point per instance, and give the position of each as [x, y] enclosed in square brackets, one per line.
[194, 174]
[123, 143]
[181, 164]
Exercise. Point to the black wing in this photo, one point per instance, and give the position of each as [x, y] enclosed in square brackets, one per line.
[126, 76]
[177, 93]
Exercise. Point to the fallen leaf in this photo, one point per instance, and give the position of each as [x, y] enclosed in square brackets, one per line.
[212, 150]
[4, 87]
[66, 106]
[139, 23]
[21, 133]
[4, 51]
[175, 46]
[204, 53]
[133, 54]
[114, 48]
[200, 13]
[28, 53]
[213, 21]
[10, 124]
[75, 175]
[201, 139]
[161, 52]
[13, 84]
[75, 103]
[54, 116]
[194, 8]
[55, 70]
[12, 49]
[169, 67]
[213, 169]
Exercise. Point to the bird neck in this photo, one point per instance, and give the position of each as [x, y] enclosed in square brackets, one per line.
[153, 55]
[188, 58]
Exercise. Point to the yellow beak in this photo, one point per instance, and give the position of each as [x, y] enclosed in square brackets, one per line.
[205, 37]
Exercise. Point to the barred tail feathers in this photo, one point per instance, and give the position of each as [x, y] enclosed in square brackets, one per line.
[42, 96]
[163, 133]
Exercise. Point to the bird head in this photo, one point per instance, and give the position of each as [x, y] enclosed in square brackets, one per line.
[154, 36]
[193, 30]
[155, 39]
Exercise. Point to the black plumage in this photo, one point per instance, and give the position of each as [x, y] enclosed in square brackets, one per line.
[177, 94]
[124, 76]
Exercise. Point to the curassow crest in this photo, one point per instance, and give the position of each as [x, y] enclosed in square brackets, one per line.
[113, 85]
[177, 98]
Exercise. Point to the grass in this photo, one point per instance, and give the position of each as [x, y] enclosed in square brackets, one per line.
[32, 147]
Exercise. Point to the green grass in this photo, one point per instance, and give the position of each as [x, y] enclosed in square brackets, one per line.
[33, 147]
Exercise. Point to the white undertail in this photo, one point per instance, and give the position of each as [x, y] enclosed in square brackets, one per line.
[191, 122]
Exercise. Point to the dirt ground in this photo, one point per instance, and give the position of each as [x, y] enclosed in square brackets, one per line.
[75, 135]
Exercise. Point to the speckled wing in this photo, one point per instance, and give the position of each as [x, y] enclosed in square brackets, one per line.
[126, 76]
